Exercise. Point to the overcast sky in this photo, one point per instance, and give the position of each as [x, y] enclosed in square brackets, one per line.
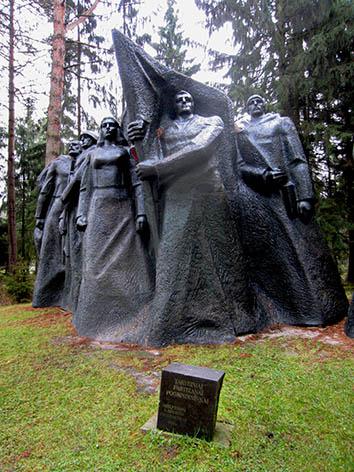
[36, 75]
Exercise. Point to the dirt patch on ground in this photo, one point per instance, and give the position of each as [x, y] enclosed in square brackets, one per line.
[169, 451]
[145, 382]
[330, 341]
[326, 343]
[46, 319]
[73, 340]
[331, 336]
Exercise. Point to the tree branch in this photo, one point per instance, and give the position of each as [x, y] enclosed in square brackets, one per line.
[82, 17]
[96, 61]
[89, 45]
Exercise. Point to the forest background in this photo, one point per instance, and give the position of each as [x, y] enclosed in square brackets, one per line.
[299, 55]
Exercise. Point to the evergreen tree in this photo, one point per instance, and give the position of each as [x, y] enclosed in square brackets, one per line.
[132, 20]
[297, 54]
[30, 156]
[172, 46]
[15, 40]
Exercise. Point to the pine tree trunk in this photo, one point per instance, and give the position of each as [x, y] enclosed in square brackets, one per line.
[23, 218]
[11, 213]
[78, 78]
[56, 82]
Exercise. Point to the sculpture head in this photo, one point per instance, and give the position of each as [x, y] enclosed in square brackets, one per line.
[255, 106]
[88, 139]
[183, 104]
[110, 131]
[74, 148]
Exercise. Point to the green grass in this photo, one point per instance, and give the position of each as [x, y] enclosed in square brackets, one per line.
[71, 407]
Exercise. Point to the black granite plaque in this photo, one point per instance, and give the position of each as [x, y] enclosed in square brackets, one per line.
[189, 398]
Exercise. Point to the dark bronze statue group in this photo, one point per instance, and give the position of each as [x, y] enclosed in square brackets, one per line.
[179, 225]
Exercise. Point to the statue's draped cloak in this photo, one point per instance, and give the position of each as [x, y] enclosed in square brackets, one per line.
[202, 292]
[288, 261]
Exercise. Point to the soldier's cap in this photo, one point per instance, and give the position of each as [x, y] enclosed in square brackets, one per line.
[254, 96]
[89, 133]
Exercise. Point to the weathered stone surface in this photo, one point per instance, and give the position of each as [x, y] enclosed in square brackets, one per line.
[349, 325]
[189, 399]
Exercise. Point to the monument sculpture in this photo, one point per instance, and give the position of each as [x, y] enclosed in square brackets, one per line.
[206, 234]
[289, 262]
[50, 280]
[349, 325]
[202, 292]
[116, 274]
[73, 237]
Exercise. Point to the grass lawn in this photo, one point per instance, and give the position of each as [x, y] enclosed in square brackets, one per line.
[71, 405]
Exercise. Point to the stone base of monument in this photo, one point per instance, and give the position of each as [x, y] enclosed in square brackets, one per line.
[189, 398]
[222, 434]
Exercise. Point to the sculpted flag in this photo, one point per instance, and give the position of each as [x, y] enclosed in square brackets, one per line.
[149, 89]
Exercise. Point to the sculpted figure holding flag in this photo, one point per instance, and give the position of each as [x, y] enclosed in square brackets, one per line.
[202, 293]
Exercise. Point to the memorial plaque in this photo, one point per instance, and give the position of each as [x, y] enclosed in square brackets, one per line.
[189, 398]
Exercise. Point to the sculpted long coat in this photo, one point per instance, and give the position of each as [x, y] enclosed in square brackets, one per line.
[290, 264]
[49, 286]
[202, 292]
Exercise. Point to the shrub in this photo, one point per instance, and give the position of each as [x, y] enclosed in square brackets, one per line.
[5, 298]
[19, 284]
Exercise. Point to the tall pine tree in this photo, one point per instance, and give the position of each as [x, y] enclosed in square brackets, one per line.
[30, 155]
[172, 46]
[17, 50]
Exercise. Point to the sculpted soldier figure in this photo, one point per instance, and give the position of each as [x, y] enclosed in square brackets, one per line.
[287, 169]
[88, 140]
[73, 237]
[201, 285]
[116, 274]
[288, 259]
[49, 285]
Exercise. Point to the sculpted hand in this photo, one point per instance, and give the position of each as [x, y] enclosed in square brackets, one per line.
[146, 170]
[38, 234]
[275, 178]
[81, 223]
[141, 224]
[305, 209]
[136, 130]
[62, 229]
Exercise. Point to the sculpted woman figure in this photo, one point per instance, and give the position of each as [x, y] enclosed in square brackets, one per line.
[117, 280]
